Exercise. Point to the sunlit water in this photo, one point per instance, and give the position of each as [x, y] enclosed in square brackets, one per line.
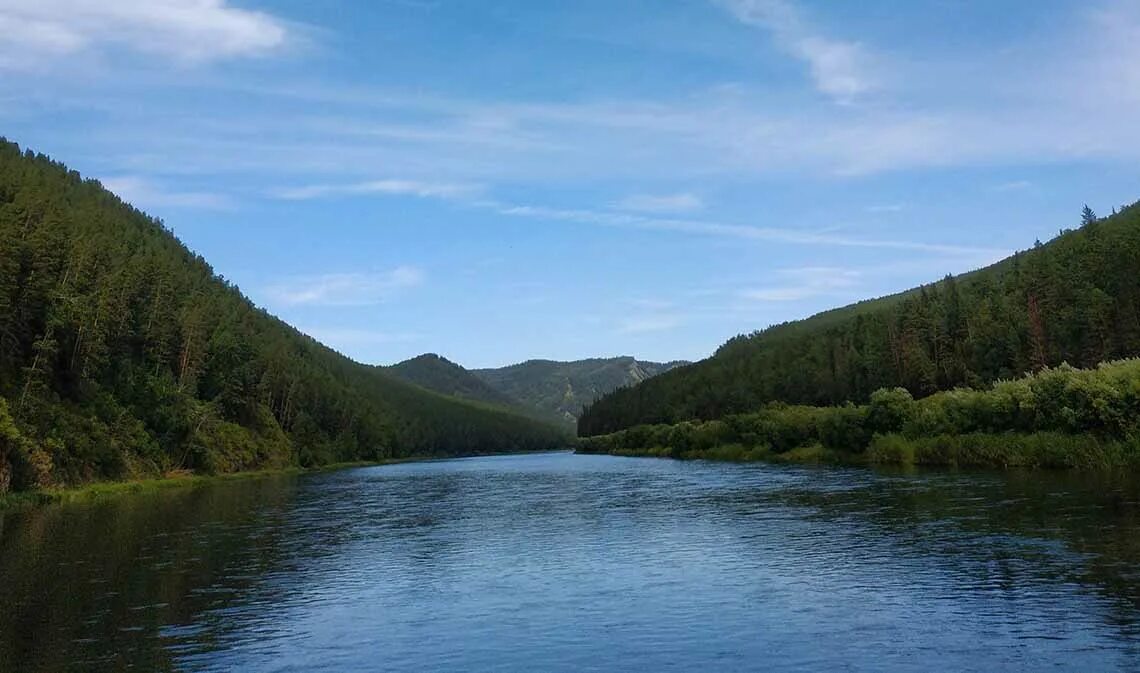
[560, 562]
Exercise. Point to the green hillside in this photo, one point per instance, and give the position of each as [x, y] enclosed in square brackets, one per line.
[123, 354]
[1075, 299]
[560, 390]
[437, 373]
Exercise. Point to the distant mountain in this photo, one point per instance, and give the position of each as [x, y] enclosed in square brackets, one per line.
[544, 389]
[560, 390]
[437, 373]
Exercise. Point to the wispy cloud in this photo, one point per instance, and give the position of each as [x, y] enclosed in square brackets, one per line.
[805, 283]
[346, 289]
[1058, 102]
[840, 69]
[727, 230]
[187, 31]
[886, 208]
[661, 203]
[145, 193]
[382, 187]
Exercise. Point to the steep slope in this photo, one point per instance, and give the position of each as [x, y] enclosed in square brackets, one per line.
[561, 389]
[437, 373]
[1075, 299]
[122, 354]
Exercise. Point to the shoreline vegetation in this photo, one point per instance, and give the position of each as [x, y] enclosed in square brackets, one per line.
[183, 479]
[1056, 418]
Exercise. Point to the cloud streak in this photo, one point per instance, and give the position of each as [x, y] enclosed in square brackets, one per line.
[145, 193]
[388, 187]
[661, 203]
[346, 289]
[805, 283]
[726, 230]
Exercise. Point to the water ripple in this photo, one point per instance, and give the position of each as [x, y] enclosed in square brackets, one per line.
[559, 562]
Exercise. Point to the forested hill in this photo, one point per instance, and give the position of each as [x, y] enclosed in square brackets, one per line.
[559, 390]
[544, 389]
[437, 373]
[123, 354]
[1075, 299]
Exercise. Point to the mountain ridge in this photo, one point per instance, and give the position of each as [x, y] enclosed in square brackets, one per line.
[562, 388]
[549, 390]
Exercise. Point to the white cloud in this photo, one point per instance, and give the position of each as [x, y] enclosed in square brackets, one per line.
[805, 283]
[383, 187]
[661, 203]
[1054, 103]
[187, 31]
[144, 193]
[346, 289]
[842, 70]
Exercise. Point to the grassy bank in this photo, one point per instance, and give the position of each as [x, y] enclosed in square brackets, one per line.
[1022, 451]
[110, 489]
[1057, 418]
[107, 489]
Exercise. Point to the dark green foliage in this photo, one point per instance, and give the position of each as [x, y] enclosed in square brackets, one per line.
[122, 354]
[1062, 417]
[1075, 299]
[889, 410]
[1032, 450]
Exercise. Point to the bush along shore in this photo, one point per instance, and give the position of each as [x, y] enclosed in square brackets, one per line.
[1056, 418]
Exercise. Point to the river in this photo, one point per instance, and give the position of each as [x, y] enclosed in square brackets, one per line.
[562, 562]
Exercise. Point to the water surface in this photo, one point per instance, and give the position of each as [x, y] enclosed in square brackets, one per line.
[558, 562]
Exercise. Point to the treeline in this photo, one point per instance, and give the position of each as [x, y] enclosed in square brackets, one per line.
[122, 353]
[1061, 417]
[1075, 299]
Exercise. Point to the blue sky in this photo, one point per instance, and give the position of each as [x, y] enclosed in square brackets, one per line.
[497, 181]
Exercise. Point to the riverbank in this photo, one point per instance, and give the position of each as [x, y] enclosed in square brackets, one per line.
[1003, 451]
[1056, 418]
[110, 489]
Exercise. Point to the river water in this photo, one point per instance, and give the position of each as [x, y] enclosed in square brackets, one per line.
[561, 562]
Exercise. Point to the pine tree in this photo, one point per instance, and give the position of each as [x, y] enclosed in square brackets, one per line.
[1087, 216]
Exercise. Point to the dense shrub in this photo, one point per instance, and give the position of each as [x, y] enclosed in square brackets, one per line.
[1061, 417]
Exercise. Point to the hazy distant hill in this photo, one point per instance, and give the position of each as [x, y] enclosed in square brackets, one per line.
[437, 373]
[544, 389]
[560, 389]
